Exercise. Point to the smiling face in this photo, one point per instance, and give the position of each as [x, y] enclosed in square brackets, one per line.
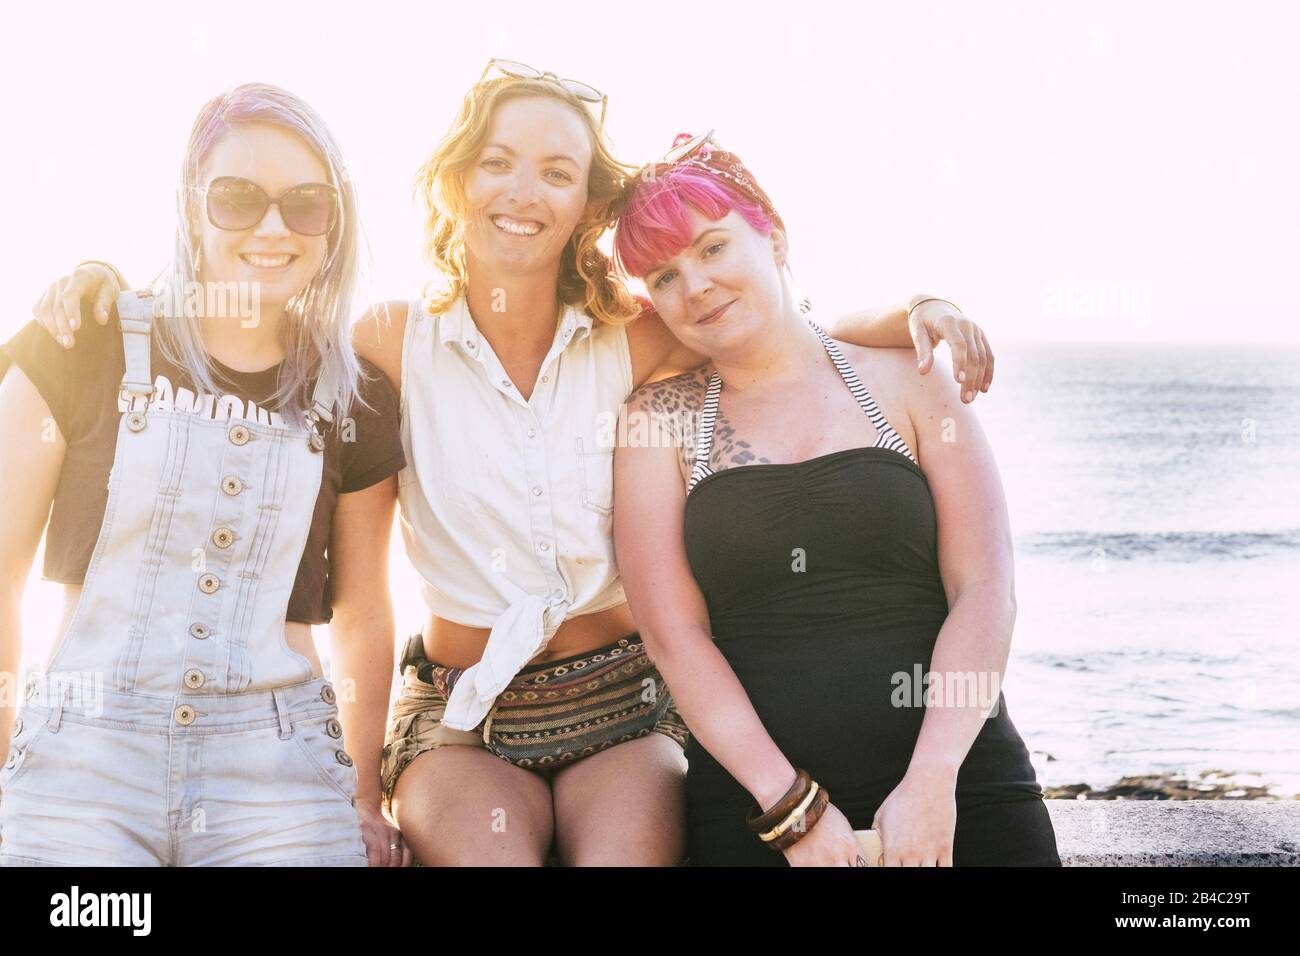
[527, 189]
[281, 261]
[723, 286]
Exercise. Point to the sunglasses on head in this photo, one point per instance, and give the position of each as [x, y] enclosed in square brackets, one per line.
[234, 203]
[522, 71]
[681, 151]
[688, 148]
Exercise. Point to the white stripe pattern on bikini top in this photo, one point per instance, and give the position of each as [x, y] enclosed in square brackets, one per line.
[886, 436]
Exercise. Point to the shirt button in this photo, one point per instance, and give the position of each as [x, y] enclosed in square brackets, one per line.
[471, 345]
[532, 433]
[13, 759]
[18, 727]
[239, 435]
[209, 583]
[545, 378]
[231, 485]
[200, 631]
[543, 546]
[185, 715]
[505, 382]
[223, 537]
[194, 679]
[536, 490]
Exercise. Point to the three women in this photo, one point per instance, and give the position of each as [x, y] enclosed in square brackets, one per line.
[531, 715]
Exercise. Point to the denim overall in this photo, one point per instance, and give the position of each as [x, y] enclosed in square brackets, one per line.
[174, 725]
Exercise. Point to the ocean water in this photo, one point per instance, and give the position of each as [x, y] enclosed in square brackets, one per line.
[1155, 504]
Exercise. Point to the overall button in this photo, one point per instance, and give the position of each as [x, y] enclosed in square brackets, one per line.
[239, 435]
[333, 728]
[13, 759]
[327, 694]
[185, 715]
[209, 583]
[543, 546]
[136, 421]
[18, 727]
[201, 631]
[316, 442]
[231, 485]
[194, 679]
[343, 758]
[223, 537]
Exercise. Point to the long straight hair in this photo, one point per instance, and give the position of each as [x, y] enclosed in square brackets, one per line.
[316, 322]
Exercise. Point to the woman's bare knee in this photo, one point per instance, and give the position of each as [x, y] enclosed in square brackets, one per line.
[462, 806]
[624, 806]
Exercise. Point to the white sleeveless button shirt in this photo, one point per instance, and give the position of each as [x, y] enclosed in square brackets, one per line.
[506, 504]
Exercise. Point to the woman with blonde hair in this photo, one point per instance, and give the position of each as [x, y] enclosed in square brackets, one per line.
[195, 464]
[530, 715]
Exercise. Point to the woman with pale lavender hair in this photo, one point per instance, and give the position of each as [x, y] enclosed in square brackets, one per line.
[195, 460]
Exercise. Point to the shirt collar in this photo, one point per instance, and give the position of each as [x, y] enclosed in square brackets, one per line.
[457, 325]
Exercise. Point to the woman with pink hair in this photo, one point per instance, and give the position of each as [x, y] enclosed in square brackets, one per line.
[804, 528]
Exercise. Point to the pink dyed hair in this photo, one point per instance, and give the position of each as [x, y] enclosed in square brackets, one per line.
[653, 226]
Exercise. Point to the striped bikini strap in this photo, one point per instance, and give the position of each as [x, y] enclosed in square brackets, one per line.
[704, 438]
[887, 437]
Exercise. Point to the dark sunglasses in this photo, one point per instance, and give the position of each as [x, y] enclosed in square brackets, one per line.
[522, 71]
[234, 203]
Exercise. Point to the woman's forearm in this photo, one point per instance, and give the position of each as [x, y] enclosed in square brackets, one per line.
[711, 700]
[362, 671]
[970, 657]
[877, 326]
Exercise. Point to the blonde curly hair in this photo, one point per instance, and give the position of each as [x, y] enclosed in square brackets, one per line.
[587, 277]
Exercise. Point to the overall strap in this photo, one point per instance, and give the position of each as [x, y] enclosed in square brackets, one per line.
[322, 401]
[135, 314]
[704, 439]
[886, 436]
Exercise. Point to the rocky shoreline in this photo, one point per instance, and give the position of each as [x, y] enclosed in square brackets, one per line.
[1207, 785]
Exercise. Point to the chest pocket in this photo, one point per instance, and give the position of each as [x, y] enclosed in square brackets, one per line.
[596, 473]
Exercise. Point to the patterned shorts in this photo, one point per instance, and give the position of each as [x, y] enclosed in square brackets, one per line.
[551, 714]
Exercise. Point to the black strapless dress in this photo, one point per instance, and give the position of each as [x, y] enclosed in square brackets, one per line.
[822, 583]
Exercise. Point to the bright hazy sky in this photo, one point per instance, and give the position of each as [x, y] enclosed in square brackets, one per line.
[1103, 172]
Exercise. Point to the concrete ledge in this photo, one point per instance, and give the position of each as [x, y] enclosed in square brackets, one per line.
[1177, 832]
